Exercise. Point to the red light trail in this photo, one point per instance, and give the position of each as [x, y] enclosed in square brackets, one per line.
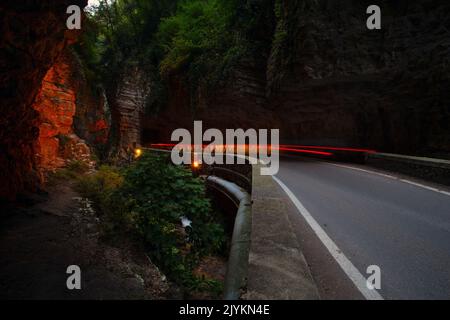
[296, 149]
[321, 153]
[329, 148]
[321, 150]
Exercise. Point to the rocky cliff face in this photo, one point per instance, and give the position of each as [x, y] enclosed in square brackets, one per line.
[127, 105]
[334, 81]
[239, 104]
[330, 80]
[92, 119]
[34, 33]
[64, 101]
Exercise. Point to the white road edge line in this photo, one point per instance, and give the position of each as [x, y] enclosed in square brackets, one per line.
[352, 272]
[392, 177]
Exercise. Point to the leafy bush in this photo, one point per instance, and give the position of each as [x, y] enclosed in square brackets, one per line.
[100, 188]
[77, 166]
[72, 171]
[149, 198]
[162, 194]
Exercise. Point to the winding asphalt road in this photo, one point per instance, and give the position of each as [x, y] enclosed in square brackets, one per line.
[377, 220]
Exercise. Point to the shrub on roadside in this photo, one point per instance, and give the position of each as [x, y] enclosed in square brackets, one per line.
[149, 199]
[73, 170]
[162, 195]
[100, 187]
[77, 166]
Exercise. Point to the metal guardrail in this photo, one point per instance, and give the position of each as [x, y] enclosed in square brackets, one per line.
[231, 175]
[424, 161]
[238, 193]
[430, 169]
[237, 268]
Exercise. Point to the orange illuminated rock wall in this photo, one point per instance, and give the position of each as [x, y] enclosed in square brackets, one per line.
[56, 106]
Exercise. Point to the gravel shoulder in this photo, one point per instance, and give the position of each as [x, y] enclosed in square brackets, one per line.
[38, 241]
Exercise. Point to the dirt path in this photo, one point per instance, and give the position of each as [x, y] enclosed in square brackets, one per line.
[39, 242]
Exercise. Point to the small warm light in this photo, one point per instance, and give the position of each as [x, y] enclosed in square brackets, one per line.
[195, 164]
[137, 153]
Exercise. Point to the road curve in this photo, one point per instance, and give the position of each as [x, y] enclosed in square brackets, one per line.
[376, 220]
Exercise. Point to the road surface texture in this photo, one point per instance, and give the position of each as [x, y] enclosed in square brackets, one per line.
[374, 220]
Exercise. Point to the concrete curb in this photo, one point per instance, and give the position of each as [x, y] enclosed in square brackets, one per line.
[277, 268]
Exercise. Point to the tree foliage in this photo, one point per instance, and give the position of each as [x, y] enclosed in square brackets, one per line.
[201, 39]
[198, 36]
[122, 32]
